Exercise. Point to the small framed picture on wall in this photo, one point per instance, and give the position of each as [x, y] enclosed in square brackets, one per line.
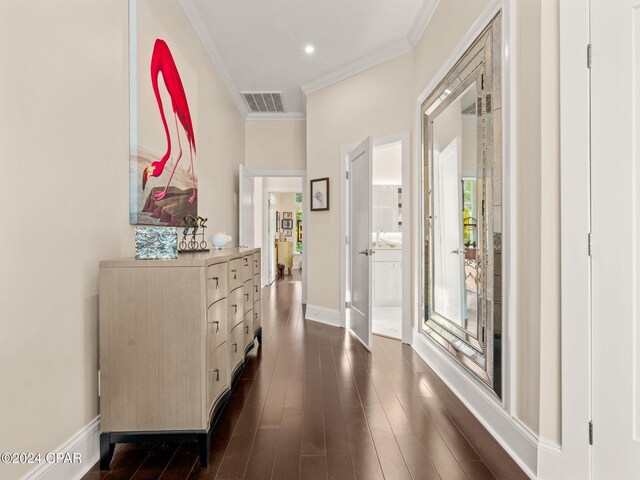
[320, 194]
[287, 233]
[287, 215]
[277, 221]
[287, 224]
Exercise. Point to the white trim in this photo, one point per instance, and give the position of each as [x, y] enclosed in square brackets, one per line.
[191, 12]
[510, 208]
[518, 441]
[86, 442]
[383, 55]
[261, 117]
[421, 21]
[575, 225]
[328, 316]
[549, 460]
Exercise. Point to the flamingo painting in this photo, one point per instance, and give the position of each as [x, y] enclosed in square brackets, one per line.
[162, 63]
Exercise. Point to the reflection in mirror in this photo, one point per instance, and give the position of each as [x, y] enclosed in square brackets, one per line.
[462, 210]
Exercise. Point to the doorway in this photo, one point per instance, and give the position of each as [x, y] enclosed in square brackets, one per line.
[385, 203]
[272, 214]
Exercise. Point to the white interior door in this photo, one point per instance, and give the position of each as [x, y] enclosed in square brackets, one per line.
[615, 97]
[359, 249]
[448, 239]
[245, 208]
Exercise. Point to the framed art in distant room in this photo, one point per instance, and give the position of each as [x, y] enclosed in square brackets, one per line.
[320, 194]
[287, 215]
[287, 224]
[287, 233]
[277, 221]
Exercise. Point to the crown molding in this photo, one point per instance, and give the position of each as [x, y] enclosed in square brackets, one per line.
[260, 117]
[390, 52]
[422, 20]
[191, 12]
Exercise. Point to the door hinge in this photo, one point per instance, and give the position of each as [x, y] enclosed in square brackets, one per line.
[589, 244]
[99, 386]
[347, 175]
[590, 433]
[346, 239]
[589, 56]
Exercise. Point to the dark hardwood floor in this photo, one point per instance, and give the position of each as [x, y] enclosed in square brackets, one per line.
[312, 403]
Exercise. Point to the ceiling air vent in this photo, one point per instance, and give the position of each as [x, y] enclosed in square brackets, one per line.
[264, 102]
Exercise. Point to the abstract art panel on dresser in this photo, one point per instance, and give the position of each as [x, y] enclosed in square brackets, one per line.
[163, 182]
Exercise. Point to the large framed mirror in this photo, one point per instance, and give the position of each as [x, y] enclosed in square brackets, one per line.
[462, 221]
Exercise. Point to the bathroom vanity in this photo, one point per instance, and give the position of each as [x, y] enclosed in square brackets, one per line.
[173, 339]
[387, 277]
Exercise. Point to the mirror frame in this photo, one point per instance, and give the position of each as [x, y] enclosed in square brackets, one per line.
[482, 353]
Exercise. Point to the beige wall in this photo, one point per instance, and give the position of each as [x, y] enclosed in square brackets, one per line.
[276, 145]
[375, 102]
[382, 100]
[550, 328]
[64, 200]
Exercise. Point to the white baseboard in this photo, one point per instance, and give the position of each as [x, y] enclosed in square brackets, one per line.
[86, 442]
[549, 460]
[325, 315]
[519, 442]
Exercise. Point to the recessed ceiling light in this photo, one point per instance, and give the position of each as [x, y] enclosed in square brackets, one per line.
[309, 49]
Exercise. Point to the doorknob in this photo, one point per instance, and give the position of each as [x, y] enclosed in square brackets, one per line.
[457, 251]
[366, 252]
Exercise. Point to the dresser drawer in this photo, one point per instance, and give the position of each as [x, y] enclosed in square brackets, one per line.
[235, 273]
[217, 331]
[257, 316]
[257, 263]
[247, 267]
[235, 304]
[247, 326]
[248, 296]
[236, 346]
[257, 288]
[217, 374]
[216, 282]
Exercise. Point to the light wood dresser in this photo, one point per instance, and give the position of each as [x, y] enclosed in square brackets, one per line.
[173, 339]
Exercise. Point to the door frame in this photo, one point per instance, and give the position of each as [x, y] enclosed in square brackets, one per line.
[404, 138]
[575, 226]
[305, 214]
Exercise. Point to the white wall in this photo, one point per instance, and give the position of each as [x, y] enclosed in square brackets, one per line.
[64, 125]
[276, 145]
[375, 102]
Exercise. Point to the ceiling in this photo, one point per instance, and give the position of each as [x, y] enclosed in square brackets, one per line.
[258, 45]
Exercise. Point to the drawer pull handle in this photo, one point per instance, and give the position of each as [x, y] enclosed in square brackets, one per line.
[217, 282]
[256, 288]
[235, 347]
[235, 309]
[256, 314]
[217, 326]
[247, 295]
[217, 375]
[235, 275]
[247, 327]
[246, 261]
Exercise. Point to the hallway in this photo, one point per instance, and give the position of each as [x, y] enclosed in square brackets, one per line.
[312, 403]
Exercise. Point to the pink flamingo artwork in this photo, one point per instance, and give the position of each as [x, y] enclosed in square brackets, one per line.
[162, 63]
